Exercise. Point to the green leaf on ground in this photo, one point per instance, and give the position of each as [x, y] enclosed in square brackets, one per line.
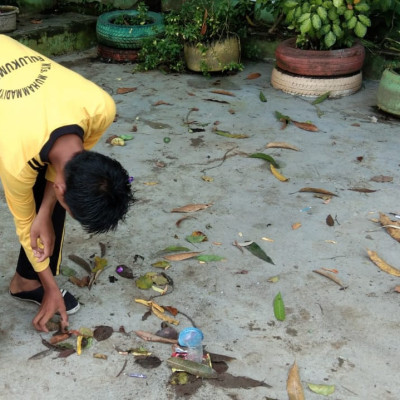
[325, 390]
[279, 308]
[262, 97]
[126, 137]
[67, 271]
[282, 117]
[173, 249]
[191, 367]
[99, 264]
[196, 238]
[321, 98]
[144, 282]
[265, 157]
[161, 264]
[209, 258]
[257, 251]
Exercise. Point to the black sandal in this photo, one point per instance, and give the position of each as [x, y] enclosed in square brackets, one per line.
[36, 296]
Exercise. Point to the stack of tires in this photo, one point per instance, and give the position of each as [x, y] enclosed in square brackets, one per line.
[120, 43]
[315, 72]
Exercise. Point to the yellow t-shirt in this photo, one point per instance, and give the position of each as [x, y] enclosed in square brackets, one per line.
[41, 100]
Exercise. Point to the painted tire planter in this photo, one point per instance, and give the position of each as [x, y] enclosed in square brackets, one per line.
[388, 98]
[127, 36]
[111, 54]
[319, 62]
[217, 55]
[313, 87]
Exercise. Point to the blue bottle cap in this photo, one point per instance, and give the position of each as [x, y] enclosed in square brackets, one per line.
[190, 337]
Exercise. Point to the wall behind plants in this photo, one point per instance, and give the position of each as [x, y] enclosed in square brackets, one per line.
[82, 6]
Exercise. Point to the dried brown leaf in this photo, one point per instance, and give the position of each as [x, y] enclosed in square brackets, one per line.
[150, 337]
[53, 326]
[293, 384]
[382, 264]
[191, 208]
[281, 145]
[296, 225]
[100, 356]
[80, 282]
[382, 178]
[124, 90]
[224, 92]
[329, 220]
[102, 332]
[180, 220]
[181, 256]
[386, 222]
[317, 190]
[174, 311]
[66, 353]
[253, 75]
[218, 101]
[81, 262]
[59, 338]
[148, 362]
[42, 354]
[204, 24]
[362, 190]
[307, 126]
[331, 276]
[160, 102]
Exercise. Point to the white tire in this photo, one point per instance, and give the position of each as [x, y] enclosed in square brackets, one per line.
[313, 87]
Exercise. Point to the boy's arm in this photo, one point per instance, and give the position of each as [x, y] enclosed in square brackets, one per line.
[42, 232]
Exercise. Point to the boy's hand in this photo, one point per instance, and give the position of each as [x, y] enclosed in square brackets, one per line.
[52, 303]
[42, 238]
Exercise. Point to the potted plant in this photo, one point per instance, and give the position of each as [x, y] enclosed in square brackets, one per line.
[8, 18]
[204, 36]
[121, 33]
[326, 45]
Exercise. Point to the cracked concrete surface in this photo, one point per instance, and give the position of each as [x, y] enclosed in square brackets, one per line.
[347, 338]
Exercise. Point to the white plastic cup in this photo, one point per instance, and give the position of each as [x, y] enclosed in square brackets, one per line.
[192, 338]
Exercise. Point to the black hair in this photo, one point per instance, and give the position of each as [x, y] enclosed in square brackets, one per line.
[98, 191]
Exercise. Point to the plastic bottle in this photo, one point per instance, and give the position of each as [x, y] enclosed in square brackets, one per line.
[192, 338]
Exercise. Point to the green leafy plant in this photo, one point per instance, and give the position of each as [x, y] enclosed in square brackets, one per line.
[162, 53]
[141, 18]
[206, 21]
[384, 35]
[199, 23]
[327, 24]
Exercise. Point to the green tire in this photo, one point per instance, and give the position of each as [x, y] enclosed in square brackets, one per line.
[127, 36]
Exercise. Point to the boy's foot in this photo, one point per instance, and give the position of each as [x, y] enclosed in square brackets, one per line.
[36, 296]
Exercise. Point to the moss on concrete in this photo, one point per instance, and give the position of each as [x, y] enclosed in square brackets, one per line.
[53, 45]
[59, 37]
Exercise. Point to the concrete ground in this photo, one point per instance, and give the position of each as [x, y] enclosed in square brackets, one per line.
[346, 338]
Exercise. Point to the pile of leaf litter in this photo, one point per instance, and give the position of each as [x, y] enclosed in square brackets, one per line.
[187, 377]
